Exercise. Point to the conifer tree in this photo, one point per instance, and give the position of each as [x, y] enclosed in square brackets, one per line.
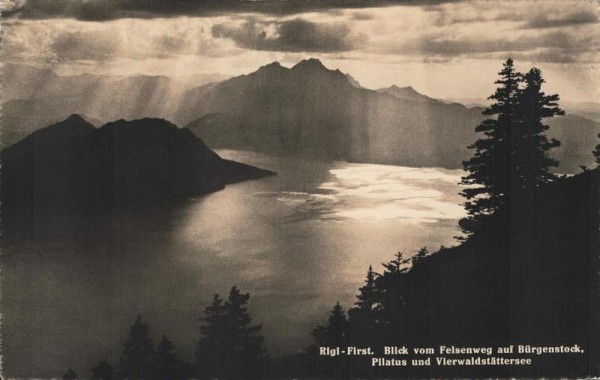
[531, 143]
[363, 317]
[418, 258]
[245, 343]
[396, 266]
[137, 358]
[511, 159]
[210, 350]
[335, 332]
[167, 365]
[596, 153]
[392, 308]
[367, 298]
[489, 170]
[230, 346]
[103, 371]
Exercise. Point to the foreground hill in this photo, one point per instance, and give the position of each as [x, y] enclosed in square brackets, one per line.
[72, 167]
[529, 276]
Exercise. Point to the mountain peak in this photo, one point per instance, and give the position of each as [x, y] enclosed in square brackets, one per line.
[271, 67]
[73, 125]
[311, 63]
[56, 133]
[74, 118]
[273, 64]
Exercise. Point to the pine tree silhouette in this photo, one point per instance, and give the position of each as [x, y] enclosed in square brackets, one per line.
[364, 316]
[489, 170]
[531, 143]
[393, 298]
[210, 350]
[596, 153]
[367, 298]
[230, 346]
[335, 332]
[418, 258]
[136, 360]
[511, 159]
[103, 371]
[167, 365]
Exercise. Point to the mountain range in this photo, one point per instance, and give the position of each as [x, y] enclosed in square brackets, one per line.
[313, 111]
[72, 167]
[34, 98]
[305, 110]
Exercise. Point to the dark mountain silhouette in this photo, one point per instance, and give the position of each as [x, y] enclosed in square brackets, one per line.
[311, 110]
[73, 168]
[407, 93]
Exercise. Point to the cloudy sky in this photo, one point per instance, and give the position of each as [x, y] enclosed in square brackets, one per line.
[441, 48]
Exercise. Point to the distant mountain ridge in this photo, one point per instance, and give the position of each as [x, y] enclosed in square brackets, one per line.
[33, 98]
[72, 168]
[311, 110]
[407, 93]
[307, 110]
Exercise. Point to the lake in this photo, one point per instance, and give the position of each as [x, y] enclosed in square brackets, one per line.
[297, 242]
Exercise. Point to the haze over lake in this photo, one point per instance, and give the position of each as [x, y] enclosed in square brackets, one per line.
[297, 242]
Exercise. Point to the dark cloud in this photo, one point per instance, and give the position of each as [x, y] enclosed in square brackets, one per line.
[91, 10]
[583, 16]
[77, 46]
[297, 35]
[532, 15]
[97, 10]
[555, 46]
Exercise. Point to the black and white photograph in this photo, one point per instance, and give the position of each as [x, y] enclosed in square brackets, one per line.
[289, 189]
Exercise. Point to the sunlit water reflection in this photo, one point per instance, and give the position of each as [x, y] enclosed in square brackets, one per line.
[298, 242]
